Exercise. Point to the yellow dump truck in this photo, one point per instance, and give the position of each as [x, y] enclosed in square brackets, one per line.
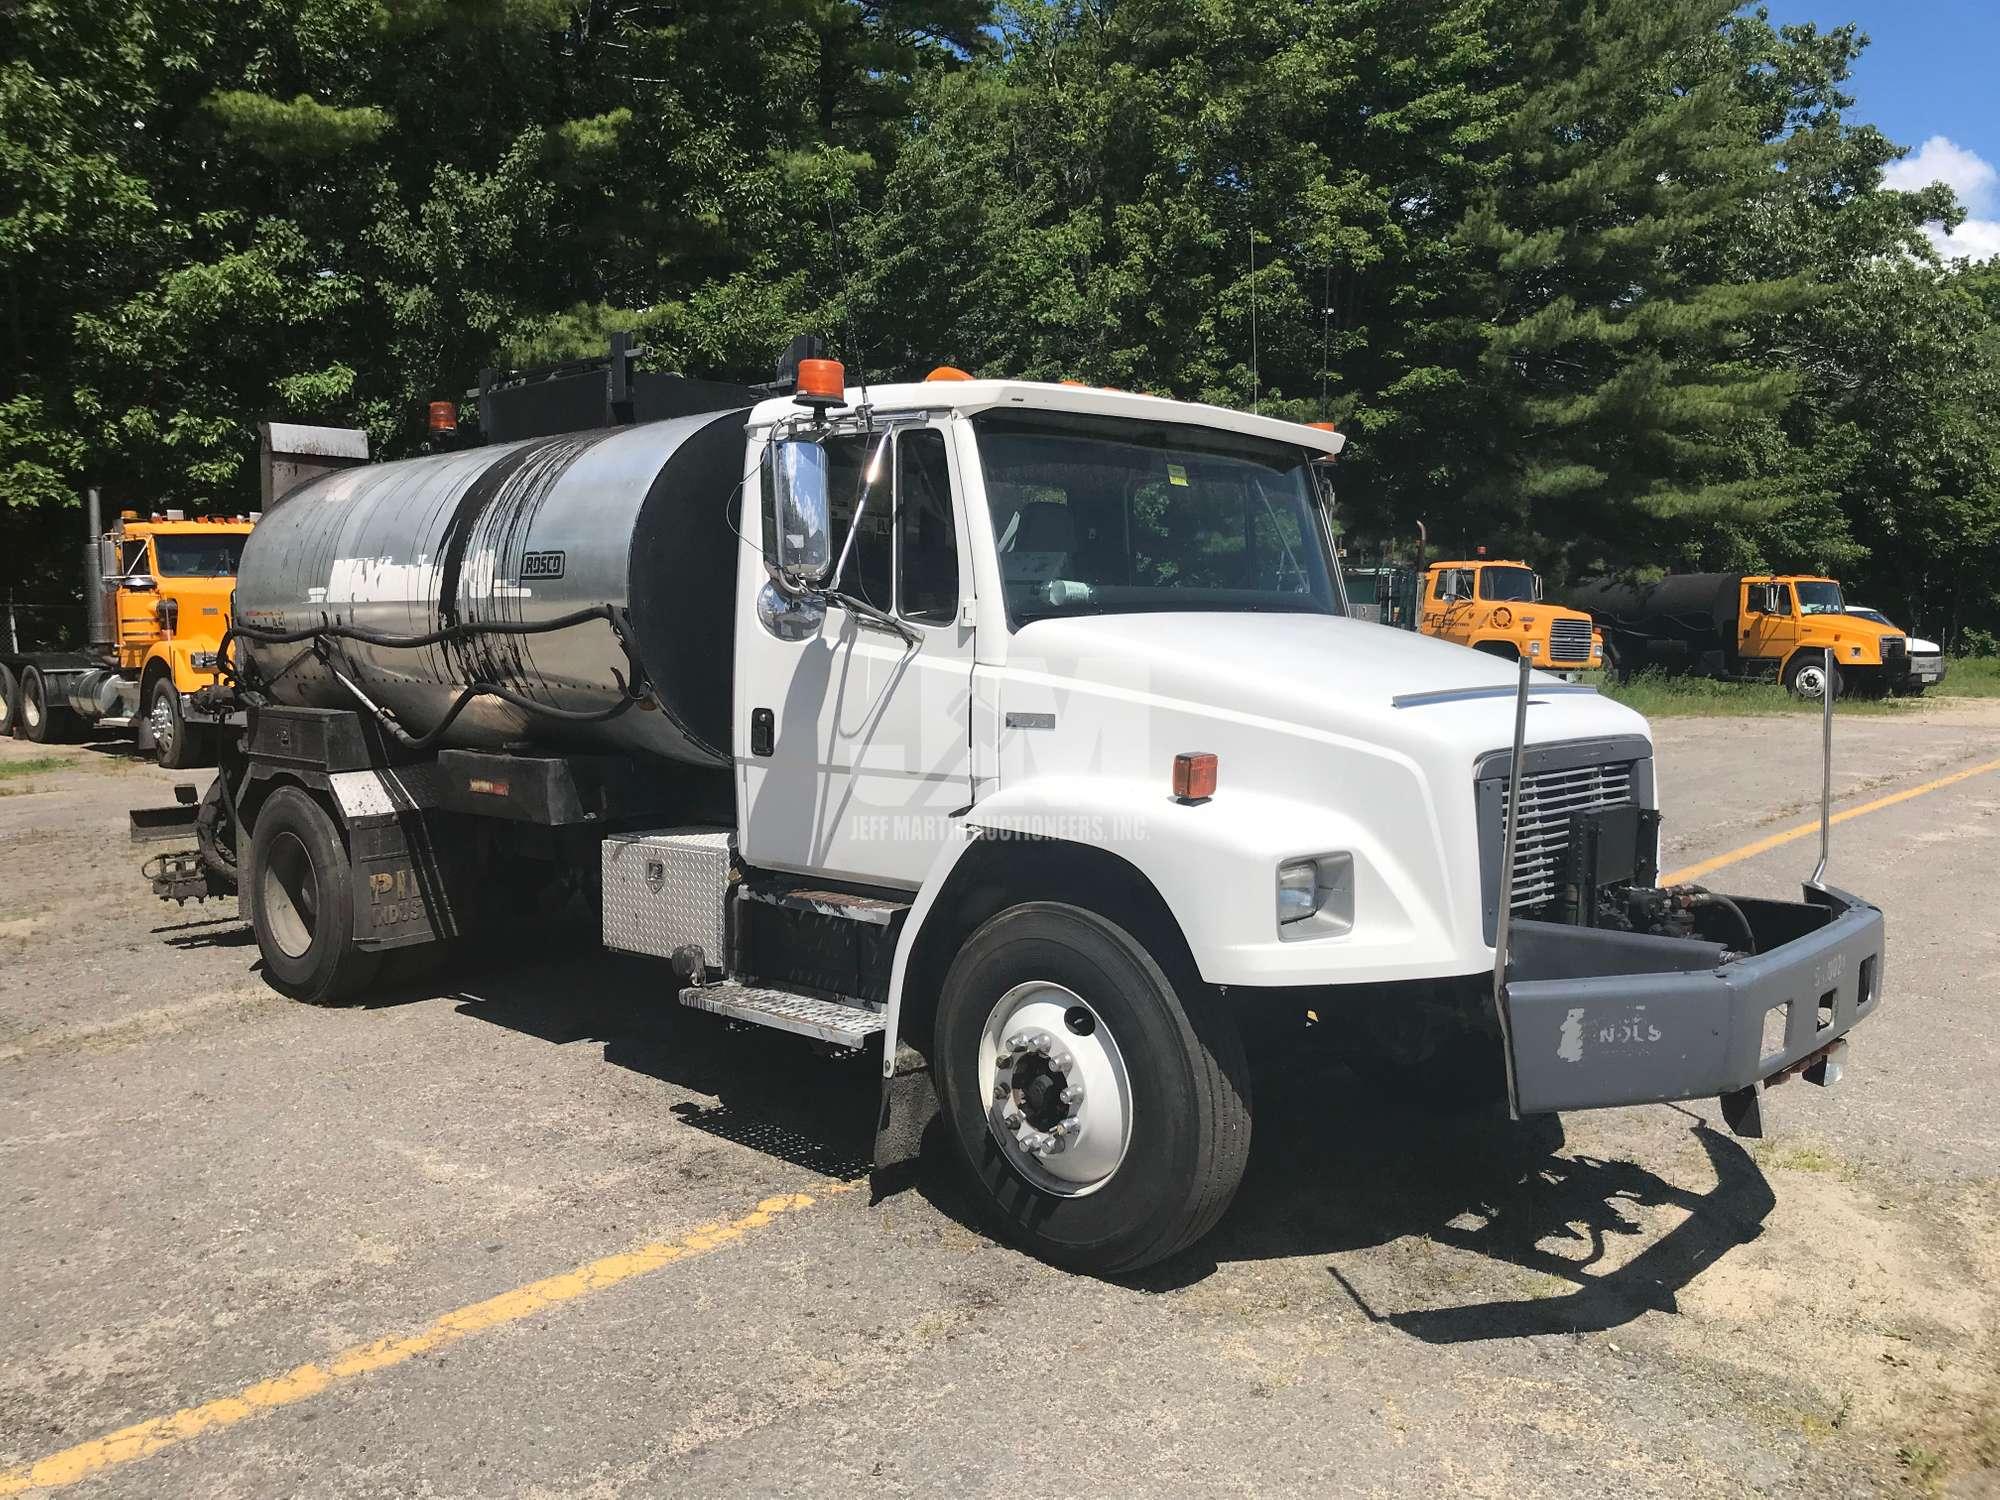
[1497, 606]
[156, 595]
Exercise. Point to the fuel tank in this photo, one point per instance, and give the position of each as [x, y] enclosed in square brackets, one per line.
[642, 519]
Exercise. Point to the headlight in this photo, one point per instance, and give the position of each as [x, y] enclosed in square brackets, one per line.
[1316, 896]
[203, 661]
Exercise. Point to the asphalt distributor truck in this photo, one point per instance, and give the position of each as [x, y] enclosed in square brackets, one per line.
[1016, 730]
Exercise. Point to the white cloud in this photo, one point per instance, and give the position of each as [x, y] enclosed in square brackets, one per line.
[1966, 173]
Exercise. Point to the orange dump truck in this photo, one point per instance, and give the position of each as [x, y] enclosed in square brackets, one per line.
[1497, 607]
[156, 593]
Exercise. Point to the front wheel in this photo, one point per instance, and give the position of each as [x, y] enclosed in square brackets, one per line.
[301, 890]
[10, 700]
[177, 744]
[1806, 677]
[1103, 1109]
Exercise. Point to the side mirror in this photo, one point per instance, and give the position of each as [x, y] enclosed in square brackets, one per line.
[1450, 587]
[802, 549]
[1538, 588]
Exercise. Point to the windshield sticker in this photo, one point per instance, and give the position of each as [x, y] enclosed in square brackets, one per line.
[1177, 475]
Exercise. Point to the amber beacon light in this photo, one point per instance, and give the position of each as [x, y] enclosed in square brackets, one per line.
[822, 382]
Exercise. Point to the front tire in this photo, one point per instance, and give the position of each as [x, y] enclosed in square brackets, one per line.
[177, 744]
[10, 700]
[1124, 1125]
[300, 886]
[1806, 677]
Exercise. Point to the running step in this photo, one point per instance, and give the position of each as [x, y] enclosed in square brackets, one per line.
[787, 1010]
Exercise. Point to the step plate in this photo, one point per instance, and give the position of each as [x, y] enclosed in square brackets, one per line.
[822, 1020]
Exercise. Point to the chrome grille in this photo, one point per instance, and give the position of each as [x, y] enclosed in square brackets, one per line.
[1548, 799]
[1569, 640]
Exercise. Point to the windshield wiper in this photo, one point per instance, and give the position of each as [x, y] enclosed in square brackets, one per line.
[868, 611]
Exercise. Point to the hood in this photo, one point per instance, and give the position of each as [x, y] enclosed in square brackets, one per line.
[1326, 672]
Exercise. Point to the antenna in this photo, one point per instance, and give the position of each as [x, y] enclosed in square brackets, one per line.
[1253, 319]
[840, 270]
[1325, 337]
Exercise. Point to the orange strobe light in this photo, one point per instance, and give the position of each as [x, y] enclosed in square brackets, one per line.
[822, 382]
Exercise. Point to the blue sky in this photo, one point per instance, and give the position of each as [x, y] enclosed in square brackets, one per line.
[1931, 80]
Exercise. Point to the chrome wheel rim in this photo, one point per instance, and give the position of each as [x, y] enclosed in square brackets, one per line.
[1059, 1098]
[31, 709]
[1811, 681]
[289, 892]
[161, 721]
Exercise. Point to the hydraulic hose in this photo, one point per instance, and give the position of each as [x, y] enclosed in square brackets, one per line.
[1712, 898]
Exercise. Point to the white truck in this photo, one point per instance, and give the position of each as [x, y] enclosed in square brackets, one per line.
[1016, 729]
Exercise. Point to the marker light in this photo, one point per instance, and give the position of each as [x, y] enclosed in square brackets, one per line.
[947, 372]
[1194, 776]
[1322, 427]
[822, 382]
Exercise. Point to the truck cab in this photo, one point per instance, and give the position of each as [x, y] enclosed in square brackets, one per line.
[157, 590]
[1786, 623]
[1497, 607]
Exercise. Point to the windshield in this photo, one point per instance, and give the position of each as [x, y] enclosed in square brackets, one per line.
[1820, 599]
[188, 555]
[1516, 585]
[1096, 515]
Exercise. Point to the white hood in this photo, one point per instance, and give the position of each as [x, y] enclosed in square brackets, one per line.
[1325, 672]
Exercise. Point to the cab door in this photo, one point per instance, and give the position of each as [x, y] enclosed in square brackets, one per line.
[863, 753]
[1767, 622]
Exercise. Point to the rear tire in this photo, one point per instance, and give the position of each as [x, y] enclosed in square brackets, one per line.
[10, 700]
[42, 721]
[177, 744]
[300, 886]
[1161, 1132]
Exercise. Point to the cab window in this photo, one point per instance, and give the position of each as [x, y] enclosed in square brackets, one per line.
[926, 536]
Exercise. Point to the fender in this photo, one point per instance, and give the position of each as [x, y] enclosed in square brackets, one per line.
[1214, 865]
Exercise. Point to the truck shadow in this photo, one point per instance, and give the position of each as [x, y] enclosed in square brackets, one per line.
[1338, 1166]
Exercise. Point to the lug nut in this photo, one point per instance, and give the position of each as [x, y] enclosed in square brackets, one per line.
[1072, 1095]
[1002, 1089]
[1043, 1042]
[1012, 1119]
[1004, 1060]
[1061, 1062]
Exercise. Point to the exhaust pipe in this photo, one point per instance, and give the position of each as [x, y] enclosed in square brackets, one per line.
[96, 591]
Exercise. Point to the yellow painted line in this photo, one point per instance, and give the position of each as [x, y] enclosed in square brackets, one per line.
[1806, 830]
[143, 1439]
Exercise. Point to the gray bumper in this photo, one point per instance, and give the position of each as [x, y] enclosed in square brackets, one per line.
[1606, 1018]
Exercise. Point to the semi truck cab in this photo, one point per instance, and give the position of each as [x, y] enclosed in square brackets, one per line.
[1497, 607]
[1016, 733]
[157, 595]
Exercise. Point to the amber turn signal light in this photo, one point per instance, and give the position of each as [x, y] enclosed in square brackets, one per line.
[822, 382]
[444, 417]
[1194, 776]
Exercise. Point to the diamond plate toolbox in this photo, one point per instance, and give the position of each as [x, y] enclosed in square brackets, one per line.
[666, 889]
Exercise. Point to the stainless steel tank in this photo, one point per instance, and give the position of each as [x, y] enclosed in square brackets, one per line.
[638, 518]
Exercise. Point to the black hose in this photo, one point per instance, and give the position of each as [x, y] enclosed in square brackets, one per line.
[1711, 898]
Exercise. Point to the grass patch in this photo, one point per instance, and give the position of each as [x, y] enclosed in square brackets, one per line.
[1661, 696]
[1803, 1159]
[33, 764]
[1970, 677]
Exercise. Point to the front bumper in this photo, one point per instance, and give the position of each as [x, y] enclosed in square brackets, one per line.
[1601, 1018]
